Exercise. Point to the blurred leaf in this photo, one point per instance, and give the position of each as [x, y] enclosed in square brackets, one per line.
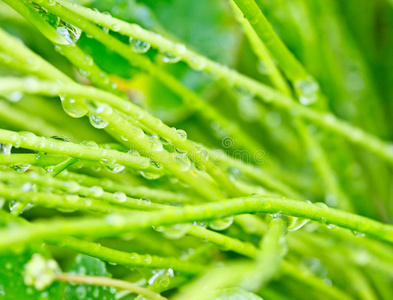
[86, 265]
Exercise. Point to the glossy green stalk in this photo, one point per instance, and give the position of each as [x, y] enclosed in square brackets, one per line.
[116, 224]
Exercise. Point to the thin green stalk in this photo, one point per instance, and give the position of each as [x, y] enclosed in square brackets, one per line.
[105, 281]
[60, 202]
[115, 224]
[269, 258]
[127, 259]
[158, 195]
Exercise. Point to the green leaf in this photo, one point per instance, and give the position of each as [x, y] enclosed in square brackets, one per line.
[235, 294]
[12, 285]
[12, 266]
[86, 265]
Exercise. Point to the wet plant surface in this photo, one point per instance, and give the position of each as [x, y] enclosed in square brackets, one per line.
[228, 149]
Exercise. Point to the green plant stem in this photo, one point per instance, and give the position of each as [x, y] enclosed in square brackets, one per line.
[158, 195]
[105, 281]
[66, 203]
[289, 64]
[127, 259]
[114, 224]
[269, 258]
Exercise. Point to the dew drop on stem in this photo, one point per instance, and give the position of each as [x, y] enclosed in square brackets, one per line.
[139, 46]
[168, 58]
[307, 90]
[72, 107]
[70, 33]
[97, 121]
[120, 197]
[221, 224]
[5, 148]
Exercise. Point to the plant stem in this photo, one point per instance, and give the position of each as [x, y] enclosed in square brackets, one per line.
[115, 224]
[105, 281]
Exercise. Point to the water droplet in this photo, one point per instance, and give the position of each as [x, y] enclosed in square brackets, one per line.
[70, 33]
[72, 199]
[90, 144]
[155, 144]
[221, 224]
[139, 46]
[14, 96]
[5, 148]
[60, 138]
[97, 121]
[146, 201]
[20, 168]
[176, 231]
[196, 63]
[358, 234]
[169, 58]
[183, 162]
[182, 134]
[40, 272]
[81, 291]
[150, 175]
[120, 197]
[307, 90]
[96, 191]
[297, 223]
[114, 168]
[71, 186]
[72, 107]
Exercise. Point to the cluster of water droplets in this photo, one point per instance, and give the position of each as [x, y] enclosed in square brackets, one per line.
[40, 272]
[69, 33]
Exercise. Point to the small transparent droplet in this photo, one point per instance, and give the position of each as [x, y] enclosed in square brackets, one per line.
[14, 96]
[139, 46]
[120, 197]
[5, 148]
[155, 144]
[176, 231]
[182, 134]
[70, 33]
[169, 58]
[196, 63]
[20, 168]
[96, 191]
[97, 121]
[221, 224]
[297, 223]
[73, 108]
[307, 90]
